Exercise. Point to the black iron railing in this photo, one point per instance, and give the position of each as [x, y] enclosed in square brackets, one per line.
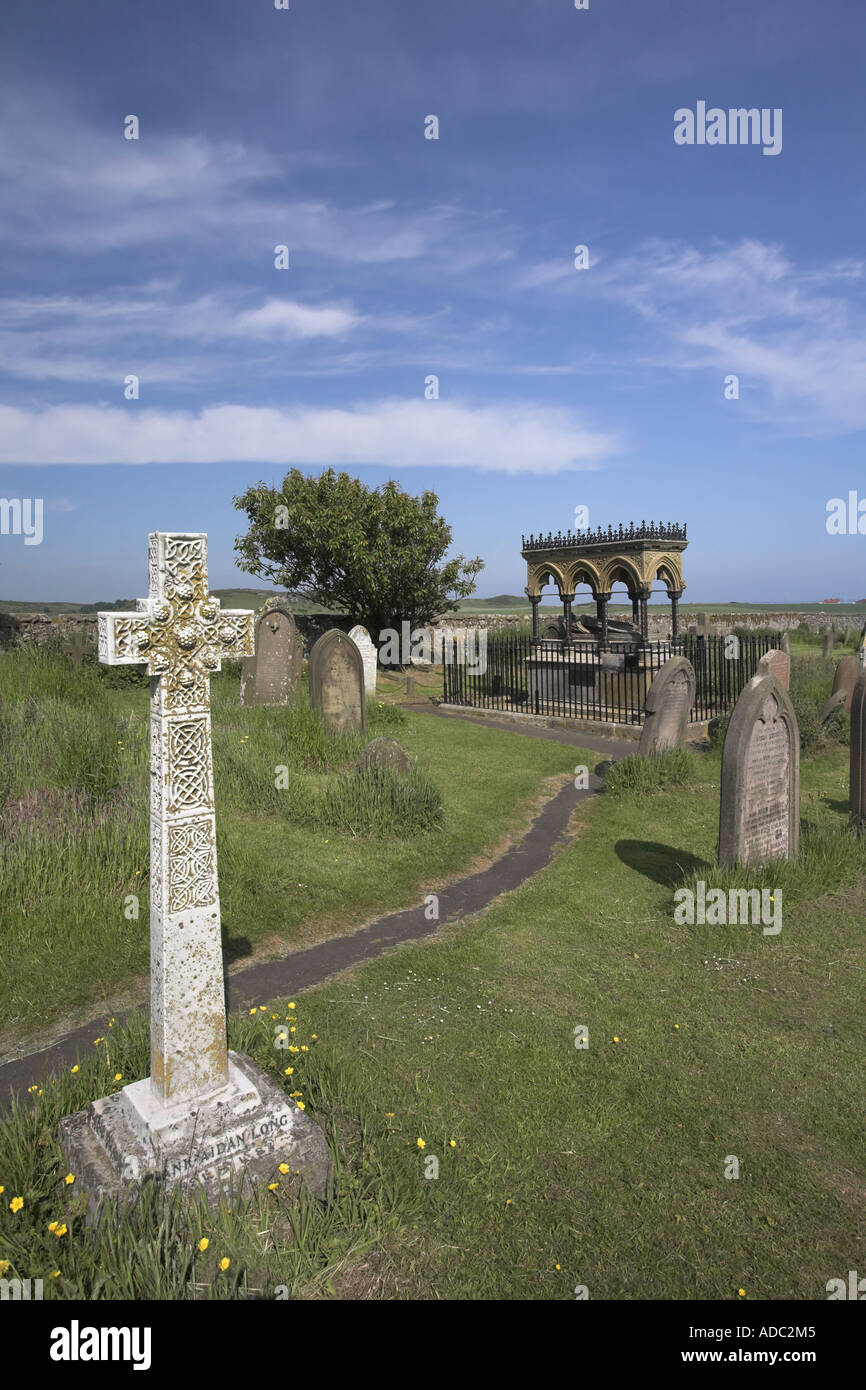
[654, 531]
[538, 676]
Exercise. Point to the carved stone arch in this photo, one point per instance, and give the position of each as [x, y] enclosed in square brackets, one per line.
[619, 570]
[539, 576]
[581, 572]
[669, 572]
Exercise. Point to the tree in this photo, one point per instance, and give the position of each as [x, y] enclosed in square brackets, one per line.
[375, 552]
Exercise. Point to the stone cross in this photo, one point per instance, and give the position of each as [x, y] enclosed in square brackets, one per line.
[182, 635]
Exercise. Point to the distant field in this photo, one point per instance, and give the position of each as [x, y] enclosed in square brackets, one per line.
[229, 598]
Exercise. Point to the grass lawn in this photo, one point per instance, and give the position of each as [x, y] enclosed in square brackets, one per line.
[71, 860]
[557, 1166]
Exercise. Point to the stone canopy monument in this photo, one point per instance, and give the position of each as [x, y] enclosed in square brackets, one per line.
[271, 677]
[205, 1116]
[759, 815]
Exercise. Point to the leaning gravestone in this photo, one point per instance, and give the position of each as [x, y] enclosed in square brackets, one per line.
[336, 675]
[271, 676]
[776, 663]
[837, 701]
[827, 646]
[668, 703]
[846, 677]
[386, 752]
[785, 643]
[759, 816]
[369, 656]
[857, 781]
[205, 1117]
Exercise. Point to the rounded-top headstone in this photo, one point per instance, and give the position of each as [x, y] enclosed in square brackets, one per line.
[386, 752]
[271, 676]
[846, 677]
[759, 812]
[370, 657]
[336, 675]
[668, 704]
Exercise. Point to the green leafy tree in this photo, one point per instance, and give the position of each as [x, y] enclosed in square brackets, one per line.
[375, 552]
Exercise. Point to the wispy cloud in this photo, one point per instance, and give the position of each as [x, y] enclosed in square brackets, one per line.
[518, 438]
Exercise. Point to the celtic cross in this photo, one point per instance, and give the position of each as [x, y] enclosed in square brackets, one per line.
[182, 635]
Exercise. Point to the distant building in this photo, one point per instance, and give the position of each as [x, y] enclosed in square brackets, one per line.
[831, 600]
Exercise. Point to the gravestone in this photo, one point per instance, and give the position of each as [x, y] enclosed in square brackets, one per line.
[836, 702]
[776, 663]
[668, 703]
[369, 656]
[75, 646]
[703, 625]
[827, 646]
[846, 677]
[336, 675]
[205, 1118]
[271, 676]
[785, 643]
[386, 752]
[759, 814]
[410, 685]
[857, 779]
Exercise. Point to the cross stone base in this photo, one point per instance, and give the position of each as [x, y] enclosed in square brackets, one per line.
[224, 1144]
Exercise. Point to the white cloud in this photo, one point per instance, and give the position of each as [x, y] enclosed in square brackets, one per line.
[520, 438]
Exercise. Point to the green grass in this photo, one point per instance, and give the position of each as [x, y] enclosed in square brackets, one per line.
[306, 846]
[608, 1161]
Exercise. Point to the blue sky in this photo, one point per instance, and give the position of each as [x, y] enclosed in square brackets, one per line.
[601, 387]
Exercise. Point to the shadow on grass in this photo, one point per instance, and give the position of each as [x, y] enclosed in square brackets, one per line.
[662, 863]
[235, 948]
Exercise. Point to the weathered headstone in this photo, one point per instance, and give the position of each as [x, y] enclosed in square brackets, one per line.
[846, 677]
[857, 779]
[776, 663]
[386, 752]
[369, 656]
[703, 625]
[410, 686]
[205, 1116]
[666, 710]
[837, 701]
[271, 676]
[785, 643]
[336, 675]
[827, 646]
[759, 816]
[75, 646]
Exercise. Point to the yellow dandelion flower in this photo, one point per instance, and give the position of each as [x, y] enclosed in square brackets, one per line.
[55, 1274]
[224, 1263]
[69, 1179]
[5, 1266]
[16, 1204]
[2, 1190]
[315, 1037]
[677, 1027]
[452, 1143]
[422, 1143]
[272, 1186]
[742, 1293]
[304, 1047]
[262, 1009]
[61, 1231]
[118, 1076]
[508, 1201]
[289, 1071]
[74, 1069]
[291, 1006]
[293, 1029]
[52, 1225]
[616, 1039]
[389, 1114]
[252, 1011]
[557, 1266]
[203, 1244]
[284, 1168]
[301, 1105]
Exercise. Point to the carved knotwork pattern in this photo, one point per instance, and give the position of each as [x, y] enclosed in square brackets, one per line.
[155, 865]
[191, 865]
[188, 759]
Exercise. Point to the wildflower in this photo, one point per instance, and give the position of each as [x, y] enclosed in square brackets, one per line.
[508, 1201]
[677, 1027]
[2, 1190]
[262, 1009]
[315, 1037]
[284, 1168]
[61, 1231]
[304, 1047]
[452, 1143]
[291, 1006]
[111, 1020]
[272, 1186]
[74, 1069]
[55, 1274]
[616, 1039]
[252, 1011]
[4, 1267]
[389, 1115]
[557, 1266]
[118, 1076]
[742, 1293]
[52, 1225]
[422, 1144]
[224, 1263]
[16, 1204]
[301, 1105]
[293, 1029]
[203, 1244]
[289, 1071]
[69, 1179]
